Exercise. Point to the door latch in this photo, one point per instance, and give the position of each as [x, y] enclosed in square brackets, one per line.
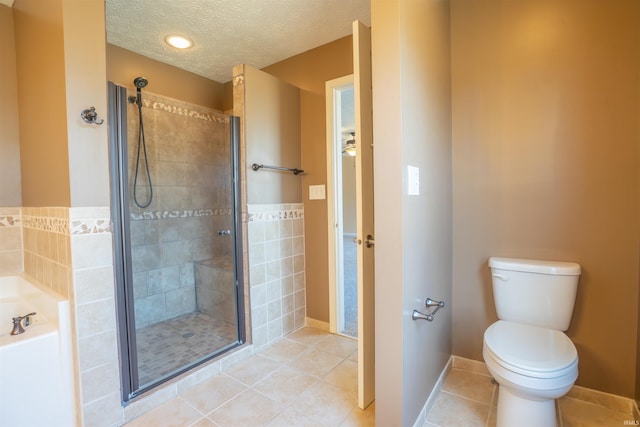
[369, 242]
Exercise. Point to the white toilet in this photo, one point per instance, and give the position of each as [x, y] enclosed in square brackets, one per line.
[527, 353]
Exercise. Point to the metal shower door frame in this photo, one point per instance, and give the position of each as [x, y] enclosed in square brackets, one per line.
[117, 97]
[125, 311]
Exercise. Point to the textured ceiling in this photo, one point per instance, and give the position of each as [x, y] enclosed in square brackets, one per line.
[230, 32]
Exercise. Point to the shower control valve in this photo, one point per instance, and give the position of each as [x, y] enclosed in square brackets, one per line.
[224, 232]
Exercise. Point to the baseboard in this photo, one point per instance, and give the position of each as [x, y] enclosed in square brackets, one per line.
[422, 417]
[470, 365]
[318, 324]
[600, 398]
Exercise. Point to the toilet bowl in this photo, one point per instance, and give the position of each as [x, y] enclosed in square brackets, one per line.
[534, 366]
[525, 351]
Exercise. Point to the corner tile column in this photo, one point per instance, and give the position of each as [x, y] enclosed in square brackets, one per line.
[97, 367]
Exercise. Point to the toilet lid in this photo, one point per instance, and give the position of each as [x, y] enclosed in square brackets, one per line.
[530, 348]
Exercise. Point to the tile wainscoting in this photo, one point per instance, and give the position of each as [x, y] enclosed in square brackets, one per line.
[71, 250]
[11, 259]
[276, 270]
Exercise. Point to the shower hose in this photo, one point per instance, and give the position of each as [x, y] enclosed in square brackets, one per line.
[141, 144]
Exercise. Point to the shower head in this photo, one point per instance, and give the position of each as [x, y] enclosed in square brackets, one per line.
[140, 82]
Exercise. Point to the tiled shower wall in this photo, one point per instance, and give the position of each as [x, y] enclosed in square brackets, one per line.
[189, 160]
[276, 270]
[11, 260]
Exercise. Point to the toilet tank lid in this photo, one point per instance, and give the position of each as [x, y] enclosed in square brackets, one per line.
[535, 266]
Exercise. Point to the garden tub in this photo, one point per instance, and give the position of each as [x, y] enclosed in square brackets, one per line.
[36, 377]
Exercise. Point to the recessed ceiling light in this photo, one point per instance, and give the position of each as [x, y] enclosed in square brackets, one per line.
[179, 42]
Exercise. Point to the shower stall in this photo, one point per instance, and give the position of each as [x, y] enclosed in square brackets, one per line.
[177, 233]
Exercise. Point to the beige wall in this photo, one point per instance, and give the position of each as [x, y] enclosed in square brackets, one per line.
[123, 66]
[546, 141]
[10, 194]
[42, 108]
[412, 126]
[85, 76]
[271, 126]
[309, 71]
[64, 161]
[637, 392]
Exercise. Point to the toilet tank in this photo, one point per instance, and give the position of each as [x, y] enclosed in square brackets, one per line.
[539, 293]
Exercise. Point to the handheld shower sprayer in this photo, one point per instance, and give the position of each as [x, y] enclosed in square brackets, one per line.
[139, 83]
[141, 154]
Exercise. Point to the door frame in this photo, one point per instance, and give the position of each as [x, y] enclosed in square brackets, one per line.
[334, 197]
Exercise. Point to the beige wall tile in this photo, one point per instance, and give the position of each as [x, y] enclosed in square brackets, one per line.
[98, 349]
[93, 284]
[91, 250]
[105, 411]
[95, 317]
[100, 381]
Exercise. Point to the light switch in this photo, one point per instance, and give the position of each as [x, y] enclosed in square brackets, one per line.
[317, 192]
[413, 181]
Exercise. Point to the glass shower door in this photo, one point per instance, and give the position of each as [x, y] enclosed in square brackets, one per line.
[179, 298]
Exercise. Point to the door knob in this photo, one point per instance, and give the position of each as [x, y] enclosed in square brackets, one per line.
[369, 242]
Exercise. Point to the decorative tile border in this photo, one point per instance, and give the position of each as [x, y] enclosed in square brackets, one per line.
[90, 220]
[181, 108]
[10, 221]
[90, 226]
[264, 213]
[188, 213]
[56, 225]
[56, 220]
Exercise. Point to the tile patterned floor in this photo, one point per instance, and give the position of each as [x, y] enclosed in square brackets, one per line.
[166, 346]
[309, 379]
[469, 398]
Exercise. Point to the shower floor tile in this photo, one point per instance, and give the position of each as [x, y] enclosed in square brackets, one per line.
[167, 346]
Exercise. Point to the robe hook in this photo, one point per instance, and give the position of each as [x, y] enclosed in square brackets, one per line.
[90, 116]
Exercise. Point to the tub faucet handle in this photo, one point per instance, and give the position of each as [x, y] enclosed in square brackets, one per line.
[17, 326]
[27, 318]
[17, 323]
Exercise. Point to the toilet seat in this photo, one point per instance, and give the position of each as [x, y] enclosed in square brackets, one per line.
[530, 350]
